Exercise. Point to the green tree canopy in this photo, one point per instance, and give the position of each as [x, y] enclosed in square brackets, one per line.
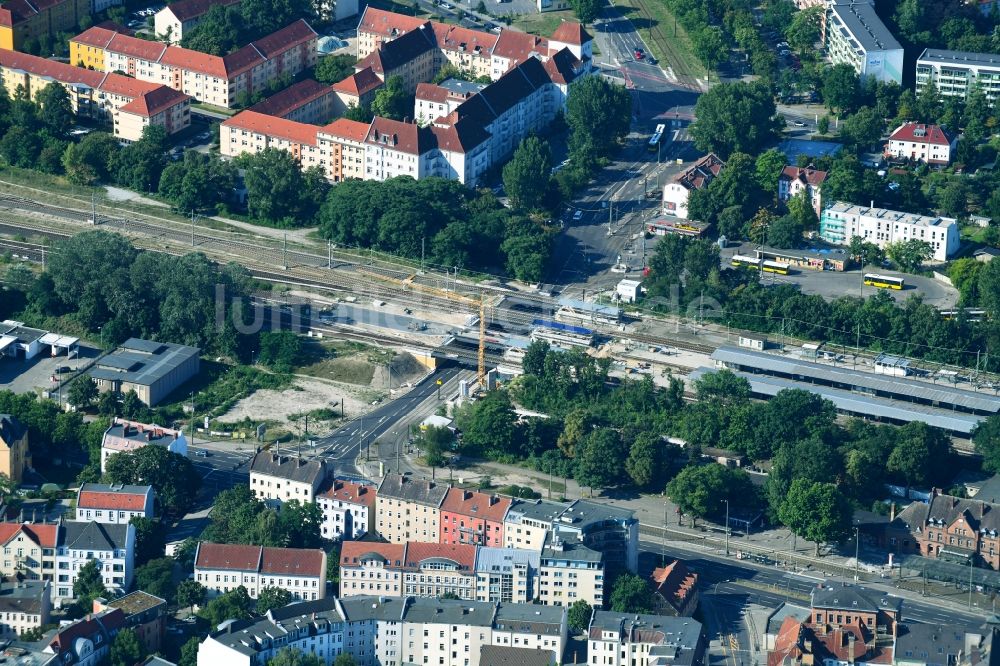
[598, 113]
[82, 392]
[817, 512]
[126, 648]
[331, 69]
[578, 616]
[272, 597]
[908, 254]
[735, 117]
[90, 161]
[157, 577]
[392, 101]
[56, 110]
[190, 593]
[88, 584]
[702, 490]
[526, 175]
[587, 10]
[631, 594]
[172, 476]
[290, 656]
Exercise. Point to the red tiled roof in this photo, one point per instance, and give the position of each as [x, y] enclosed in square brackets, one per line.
[701, 173]
[111, 500]
[562, 67]
[431, 93]
[921, 133]
[17, 11]
[185, 10]
[476, 505]
[66, 74]
[95, 36]
[155, 101]
[136, 47]
[355, 131]
[404, 137]
[518, 46]
[228, 556]
[463, 554]
[570, 32]
[674, 582]
[456, 38]
[352, 552]
[203, 63]
[348, 491]
[287, 38]
[46, 536]
[360, 83]
[291, 98]
[102, 623]
[387, 24]
[807, 175]
[289, 130]
[293, 562]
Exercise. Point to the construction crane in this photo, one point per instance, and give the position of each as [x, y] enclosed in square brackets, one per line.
[482, 339]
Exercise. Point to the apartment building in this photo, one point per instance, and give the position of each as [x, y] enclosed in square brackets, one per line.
[21, 20]
[408, 509]
[307, 101]
[284, 477]
[948, 527]
[569, 572]
[145, 613]
[371, 569]
[348, 510]
[856, 36]
[794, 181]
[15, 454]
[507, 574]
[114, 503]
[930, 144]
[178, 18]
[357, 90]
[29, 550]
[124, 436]
[696, 177]
[112, 546]
[87, 641]
[127, 105]
[24, 605]
[957, 73]
[468, 516]
[843, 221]
[222, 568]
[437, 100]
[217, 80]
[378, 631]
[413, 57]
[625, 639]
[528, 523]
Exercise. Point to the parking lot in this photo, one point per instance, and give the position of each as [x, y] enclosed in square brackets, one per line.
[141, 19]
[36, 374]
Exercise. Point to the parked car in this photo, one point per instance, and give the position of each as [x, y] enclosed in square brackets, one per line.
[577, 216]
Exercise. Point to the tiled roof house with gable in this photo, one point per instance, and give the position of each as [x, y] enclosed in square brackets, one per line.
[87, 641]
[409, 509]
[348, 509]
[920, 142]
[286, 477]
[224, 567]
[794, 180]
[114, 503]
[696, 177]
[675, 589]
[468, 516]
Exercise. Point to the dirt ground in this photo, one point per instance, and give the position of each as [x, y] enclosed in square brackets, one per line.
[306, 395]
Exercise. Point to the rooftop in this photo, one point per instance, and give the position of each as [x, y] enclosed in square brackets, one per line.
[489, 558]
[353, 553]
[136, 603]
[115, 496]
[864, 25]
[94, 536]
[965, 58]
[853, 598]
[475, 504]
[449, 611]
[506, 655]
[125, 435]
[921, 133]
[419, 553]
[529, 618]
[421, 491]
[290, 468]
[350, 492]
[23, 597]
[569, 550]
[11, 430]
[143, 362]
[291, 98]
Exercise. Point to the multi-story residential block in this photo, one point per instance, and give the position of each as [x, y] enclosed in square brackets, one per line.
[796, 180]
[377, 631]
[348, 509]
[957, 73]
[528, 523]
[173, 21]
[15, 454]
[434, 569]
[29, 550]
[408, 509]
[856, 36]
[507, 574]
[468, 516]
[947, 526]
[152, 369]
[843, 221]
[277, 477]
[569, 572]
[371, 569]
[844, 605]
[218, 80]
[127, 105]
[24, 605]
[413, 57]
[145, 613]
[115, 503]
[611, 531]
[124, 436]
[87, 641]
[307, 101]
[918, 142]
[21, 20]
[357, 90]
[223, 567]
[696, 177]
[112, 546]
[437, 100]
[625, 639]
[675, 589]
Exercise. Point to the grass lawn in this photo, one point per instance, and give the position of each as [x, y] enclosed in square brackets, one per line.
[656, 26]
[543, 24]
[342, 361]
[214, 109]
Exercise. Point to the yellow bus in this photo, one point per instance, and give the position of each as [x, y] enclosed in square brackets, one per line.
[778, 267]
[883, 281]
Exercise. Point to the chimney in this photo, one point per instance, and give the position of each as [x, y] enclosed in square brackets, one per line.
[892, 511]
[139, 427]
[466, 494]
[149, 435]
[494, 499]
[850, 648]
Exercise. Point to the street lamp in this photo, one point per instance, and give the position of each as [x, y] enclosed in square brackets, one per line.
[727, 526]
[857, 548]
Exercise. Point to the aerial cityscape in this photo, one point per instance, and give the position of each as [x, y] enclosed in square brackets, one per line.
[499, 332]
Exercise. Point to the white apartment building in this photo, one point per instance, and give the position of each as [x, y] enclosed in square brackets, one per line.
[283, 477]
[531, 627]
[930, 144]
[371, 569]
[855, 35]
[795, 180]
[24, 605]
[112, 546]
[409, 509]
[114, 503]
[87, 641]
[222, 568]
[624, 639]
[955, 73]
[696, 177]
[843, 221]
[568, 572]
[506, 575]
[348, 510]
[527, 524]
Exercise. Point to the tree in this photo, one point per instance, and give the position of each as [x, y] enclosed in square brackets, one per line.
[785, 232]
[392, 101]
[126, 648]
[599, 459]
[488, 423]
[804, 30]
[280, 350]
[840, 88]
[217, 33]
[986, 437]
[800, 207]
[823, 124]
[334, 68]
[578, 616]
[817, 512]
[190, 593]
[434, 442]
[157, 577]
[723, 387]
[89, 162]
[631, 594]
[189, 652]
[272, 597]
[172, 476]
[526, 175]
[197, 182]
[275, 186]
[908, 254]
[82, 392]
[587, 10]
[702, 490]
[865, 252]
[768, 168]
[710, 47]
[921, 455]
[233, 605]
[645, 459]
[345, 659]
[863, 128]
[598, 114]
[88, 584]
[735, 117]
[150, 539]
[56, 111]
[290, 656]
[139, 165]
[20, 147]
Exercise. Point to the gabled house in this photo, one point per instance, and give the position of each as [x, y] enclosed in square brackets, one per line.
[919, 142]
[697, 177]
[794, 180]
[675, 589]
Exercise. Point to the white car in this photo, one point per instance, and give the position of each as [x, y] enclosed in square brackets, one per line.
[577, 216]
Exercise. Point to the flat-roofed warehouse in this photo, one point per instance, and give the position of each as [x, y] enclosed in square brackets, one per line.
[151, 369]
[893, 399]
